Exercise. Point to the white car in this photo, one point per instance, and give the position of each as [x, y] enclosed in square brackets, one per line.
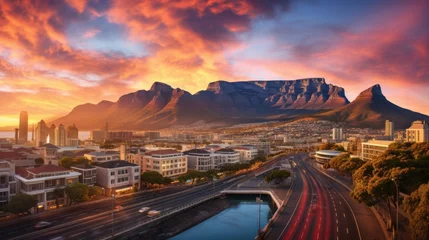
[42, 224]
[144, 209]
[153, 213]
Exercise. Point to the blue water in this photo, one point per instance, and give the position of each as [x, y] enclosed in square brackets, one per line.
[239, 221]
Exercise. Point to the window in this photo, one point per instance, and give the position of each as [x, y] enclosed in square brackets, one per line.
[112, 173]
[136, 178]
[112, 181]
[136, 170]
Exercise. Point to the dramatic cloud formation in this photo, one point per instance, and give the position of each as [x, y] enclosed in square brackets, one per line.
[55, 55]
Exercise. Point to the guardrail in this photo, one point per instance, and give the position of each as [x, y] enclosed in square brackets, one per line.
[159, 217]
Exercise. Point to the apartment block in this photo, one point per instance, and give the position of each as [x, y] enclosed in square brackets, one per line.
[118, 176]
[88, 174]
[7, 181]
[170, 163]
[374, 148]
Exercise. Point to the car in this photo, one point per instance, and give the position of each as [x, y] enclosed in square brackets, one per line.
[143, 209]
[153, 213]
[42, 224]
[118, 208]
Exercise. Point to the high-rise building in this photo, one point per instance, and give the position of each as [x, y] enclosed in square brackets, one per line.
[418, 132]
[42, 133]
[389, 129]
[23, 127]
[60, 136]
[337, 134]
[52, 138]
[72, 131]
[16, 135]
[98, 135]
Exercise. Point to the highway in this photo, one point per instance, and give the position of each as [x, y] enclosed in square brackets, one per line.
[319, 208]
[94, 221]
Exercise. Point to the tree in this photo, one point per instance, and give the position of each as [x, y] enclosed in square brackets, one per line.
[20, 203]
[416, 206]
[191, 175]
[331, 146]
[68, 162]
[167, 180]
[152, 177]
[58, 193]
[77, 193]
[94, 191]
[39, 161]
[336, 162]
[350, 166]
[277, 176]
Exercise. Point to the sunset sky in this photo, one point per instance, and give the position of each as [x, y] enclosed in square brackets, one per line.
[55, 55]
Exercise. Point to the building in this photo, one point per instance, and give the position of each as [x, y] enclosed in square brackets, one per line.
[389, 130]
[99, 157]
[227, 156]
[73, 142]
[98, 135]
[246, 153]
[23, 127]
[323, 156]
[133, 155]
[72, 131]
[42, 181]
[49, 153]
[153, 135]
[418, 132]
[120, 135]
[4, 144]
[201, 159]
[88, 173]
[42, 133]
[60, 136]
[16, 135]
[118, 176]
[51, 134]
[7, 181]
[337, 134]
[170, 163]
[374, 148]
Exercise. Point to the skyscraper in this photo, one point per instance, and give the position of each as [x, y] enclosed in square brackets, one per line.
[72, 131]
[60, 136]
[389, 129]
[23, 127]
[42, 133]
[52, 138]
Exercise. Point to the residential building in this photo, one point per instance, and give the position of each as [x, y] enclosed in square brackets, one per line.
[170, 163]
[42, 181]
[133, 155]
[72, 132]
[49, 153]
[418, 132]
[4, 144]
[120, 135]
[323, 156]
[98, 135]
[19, 158]
[227, 156]
[42, 133]
[201, 159]
[374, 148]
[7, 181]
[153, 135]
[73, 142]
[51, 134]
[246, 153]
[389, 130]
[60, 136]
[118, 176]
[88, 173]
[98, 157]
[337, 134]
[23, 127]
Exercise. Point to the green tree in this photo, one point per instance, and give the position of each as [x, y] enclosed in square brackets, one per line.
[277, 176]
[191, 175]
[68, 162]
[77, 193]
[167, 180]
[416, 205]
[20, 203]
[152, 177]
[93, 192]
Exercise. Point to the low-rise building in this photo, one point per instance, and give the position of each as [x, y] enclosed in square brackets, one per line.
[118, 176]
[227, 156]
[418, 132]
[7, 181]
[49, 153]
[323, 156]
[201, 159]
[246, 153]
[88, 173]
[42, 181]
[170, 163]
[98, 157]
[374, 148]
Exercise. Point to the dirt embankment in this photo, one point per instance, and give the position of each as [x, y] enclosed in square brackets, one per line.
[184, 220]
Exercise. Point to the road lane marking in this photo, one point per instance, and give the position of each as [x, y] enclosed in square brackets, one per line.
[335, 209]
[77, 234]
[302, 235]
[336, 215]
[317, 235]
[340, 202]
[337, 229]
[347, 229]
[344, 214]
[337, 221]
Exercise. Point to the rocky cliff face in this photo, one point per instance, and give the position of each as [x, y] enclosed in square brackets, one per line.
[162, 106]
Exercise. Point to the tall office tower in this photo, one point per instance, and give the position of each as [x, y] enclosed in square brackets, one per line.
[42, 133]
[418, 132]
[60, 136]
[52, 138]
[72, 131]
[16, 135]
[106, 131]
[23, 127]
[389, 129]
[32, 134]
[337, 134]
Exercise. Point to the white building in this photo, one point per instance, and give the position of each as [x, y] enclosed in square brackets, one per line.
[389, 129]
[42, 181]
[118, 176]
[7, 181]
[88, 173]
[227, 156]
[418, 132]
[60, 136]
[374, 148]
[201, 159]
[170, 163]
[337, 134]
[246, 153]
[98, 157]
[323, 156]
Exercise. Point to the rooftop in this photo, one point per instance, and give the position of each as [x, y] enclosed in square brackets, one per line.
[419, 125]
[47, 169]
[225, 150]
[197, 151]
[116, 164]
[10, 155]
[329, 152]
[162, 152]
[101, 154]
[83, 166]
[48, 145]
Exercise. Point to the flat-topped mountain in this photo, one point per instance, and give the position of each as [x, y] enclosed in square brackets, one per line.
[162, 106]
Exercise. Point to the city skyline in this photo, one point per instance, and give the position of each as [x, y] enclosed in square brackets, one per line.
[74, 52]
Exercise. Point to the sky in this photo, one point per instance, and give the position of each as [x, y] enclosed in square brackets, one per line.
[56, 54]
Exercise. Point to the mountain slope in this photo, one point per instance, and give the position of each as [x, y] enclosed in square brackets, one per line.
[371, 109]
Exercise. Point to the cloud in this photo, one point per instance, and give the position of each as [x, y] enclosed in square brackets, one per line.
[90, 33]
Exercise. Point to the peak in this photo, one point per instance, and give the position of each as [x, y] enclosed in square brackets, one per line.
[374, 91]
[159, 86]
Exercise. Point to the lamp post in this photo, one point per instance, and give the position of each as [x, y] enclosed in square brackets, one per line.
[113, 209]
[397, 208]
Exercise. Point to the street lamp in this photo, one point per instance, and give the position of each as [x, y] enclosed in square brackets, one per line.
[113, 209]
[397, 207]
